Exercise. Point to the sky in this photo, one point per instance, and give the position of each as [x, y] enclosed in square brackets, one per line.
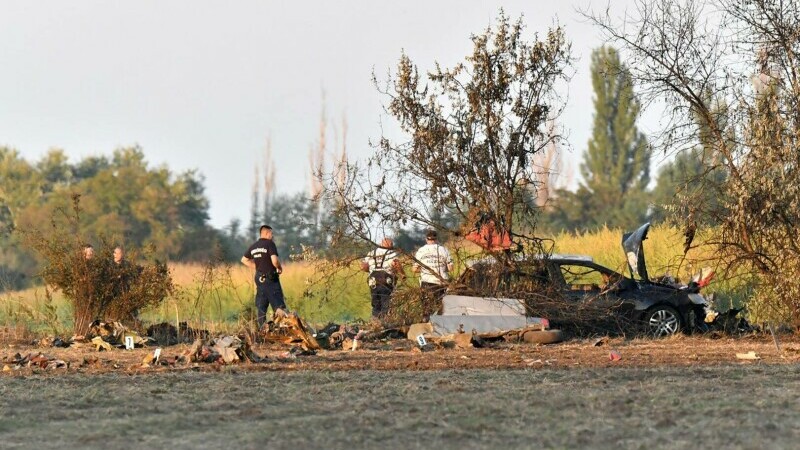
[204, 84]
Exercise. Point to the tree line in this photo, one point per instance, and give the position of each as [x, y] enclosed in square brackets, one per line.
[123, 200]
[126, 200]
[476, 145]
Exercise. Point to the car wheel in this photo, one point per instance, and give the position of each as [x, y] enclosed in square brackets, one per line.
[663, 320]
[543, 337]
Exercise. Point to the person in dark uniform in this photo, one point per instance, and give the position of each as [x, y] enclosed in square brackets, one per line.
[263, 257]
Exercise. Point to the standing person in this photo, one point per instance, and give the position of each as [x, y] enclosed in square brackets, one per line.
[88, 252]
[89, 275]
[434, 265]
[121, 271]
[263, 257]
[382, 266]
[119, 256]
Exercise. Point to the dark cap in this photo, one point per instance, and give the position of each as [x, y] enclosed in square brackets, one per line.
[263, 227]
[430, 234]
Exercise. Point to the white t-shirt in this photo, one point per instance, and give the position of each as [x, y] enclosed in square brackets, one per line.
[434, 259]
[381, 259]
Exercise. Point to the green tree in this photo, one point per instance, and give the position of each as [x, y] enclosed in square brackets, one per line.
[678, 51]
[22, 185]
[125, 200]
[55, 169]
[616, 166]
[689, 184]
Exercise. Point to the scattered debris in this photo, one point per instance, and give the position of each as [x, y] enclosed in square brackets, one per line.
[418, 329]
[751, 356]
[90, 361]
[151, 358]
[100, 344]
[296, 351]
[33, 360]
[166, 334]
[728, 322]
[290, 329]
[106, 335]
[542, 336]
[600, 342]
[424, 348]
[463, 340]
[531, 362]
[223, 350]
[51, 342]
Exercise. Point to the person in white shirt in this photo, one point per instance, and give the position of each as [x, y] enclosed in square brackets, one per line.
[434, 265]
[382, 266]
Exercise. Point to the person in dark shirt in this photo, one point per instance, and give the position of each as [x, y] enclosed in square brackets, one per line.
[263, 257]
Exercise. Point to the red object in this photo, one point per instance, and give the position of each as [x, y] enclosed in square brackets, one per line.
[488, 237]
[707, 279]
[614, 356]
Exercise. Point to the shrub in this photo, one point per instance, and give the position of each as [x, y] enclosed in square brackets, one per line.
[97, 288]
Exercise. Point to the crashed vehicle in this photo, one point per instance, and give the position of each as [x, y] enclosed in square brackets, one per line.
[663, 308]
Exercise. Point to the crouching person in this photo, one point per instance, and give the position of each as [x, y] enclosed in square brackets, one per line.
[383, 267]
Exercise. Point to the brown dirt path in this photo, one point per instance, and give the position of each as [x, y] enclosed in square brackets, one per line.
[401, 355]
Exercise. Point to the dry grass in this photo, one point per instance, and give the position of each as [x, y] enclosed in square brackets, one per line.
[219, 299]
[222, 299]
[725, 406]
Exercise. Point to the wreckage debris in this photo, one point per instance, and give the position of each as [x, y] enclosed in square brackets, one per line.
[296, 351]
[166, 334]
[57, 342]
[33, 360]
[223, 350]
[107, 335]
[101, 344]
[749, 356]
[542, 336]
[290, 329]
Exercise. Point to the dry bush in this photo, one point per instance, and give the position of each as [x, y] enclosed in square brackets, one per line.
[96, 288]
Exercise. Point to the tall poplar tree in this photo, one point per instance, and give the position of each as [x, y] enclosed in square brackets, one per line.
[616, 166]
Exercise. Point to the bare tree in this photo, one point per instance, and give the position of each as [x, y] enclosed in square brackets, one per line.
[269, 174]
[470, 135]
[548, 175]
[694, 56]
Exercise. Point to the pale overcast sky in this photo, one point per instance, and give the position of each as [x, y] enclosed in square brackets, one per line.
[202, 84]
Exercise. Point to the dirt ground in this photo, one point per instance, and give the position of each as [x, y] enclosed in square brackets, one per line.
[403, 355]
[681, 392]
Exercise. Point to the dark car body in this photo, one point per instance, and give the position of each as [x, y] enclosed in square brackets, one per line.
[663, 308]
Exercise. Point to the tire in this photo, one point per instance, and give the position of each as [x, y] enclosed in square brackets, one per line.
[663, 320]
[543, 337]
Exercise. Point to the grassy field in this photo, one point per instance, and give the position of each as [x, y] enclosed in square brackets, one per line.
[221, 298]
[749, 406]
[664, 254]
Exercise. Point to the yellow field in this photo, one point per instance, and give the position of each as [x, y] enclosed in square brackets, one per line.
[221, 297]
